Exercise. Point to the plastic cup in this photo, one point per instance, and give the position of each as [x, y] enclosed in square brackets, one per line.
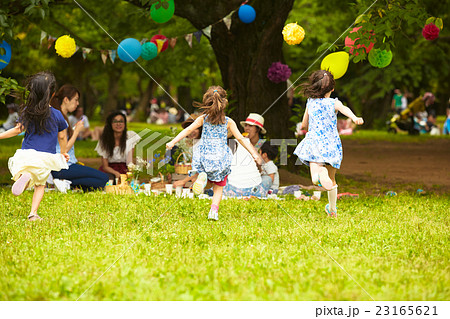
[178, 191]
[297, 194]
[317, 194]
[147, 189]
[169, 188]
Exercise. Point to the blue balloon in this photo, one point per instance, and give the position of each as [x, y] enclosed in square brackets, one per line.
[5, 57]
[247, 14]
[129, 50]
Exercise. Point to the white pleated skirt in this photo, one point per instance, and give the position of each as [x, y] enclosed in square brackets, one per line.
[38, 164]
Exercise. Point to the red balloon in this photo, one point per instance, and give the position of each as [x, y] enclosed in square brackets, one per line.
[160, 37]
[351, 43]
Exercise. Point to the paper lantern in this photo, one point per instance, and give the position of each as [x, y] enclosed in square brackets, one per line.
[350, 43]
[278, 72]
[336, 63]
[129, 50]
[163, 11]
[247, 14]
[5, 57]
[380, 58]
[430, 32]
[149, 51]
[65, 46]
[161, 42]
[293, 33]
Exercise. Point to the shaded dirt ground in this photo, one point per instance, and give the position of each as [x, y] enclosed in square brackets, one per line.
[392, 166]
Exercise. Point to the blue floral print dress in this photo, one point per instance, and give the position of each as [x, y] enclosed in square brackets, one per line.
[212, 154]
[322, 143]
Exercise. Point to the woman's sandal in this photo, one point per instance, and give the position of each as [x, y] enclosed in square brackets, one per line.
[21, 184]
[329, 212]
[32, 218]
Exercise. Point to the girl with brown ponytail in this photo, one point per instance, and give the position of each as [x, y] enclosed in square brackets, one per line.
[212, 157]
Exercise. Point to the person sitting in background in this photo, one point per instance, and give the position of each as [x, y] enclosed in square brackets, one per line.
[116, 145]
[397, 101]
[12, 118]
[269, 170]
[431, 126]
[254, 127]
[77, 116]
[446, 130]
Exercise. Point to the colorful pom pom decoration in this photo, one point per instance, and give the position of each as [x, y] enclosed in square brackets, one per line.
[279, 72]
[351, 43]
[149, 51]
[336, 63]
[65, 46]
[5, 57]
[293, 33]
[162, 11]
[161, 42]
[129, 50]
[430, 32]
[246, 13]
[380, 58]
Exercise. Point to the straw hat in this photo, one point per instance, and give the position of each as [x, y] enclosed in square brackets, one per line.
[255, 119]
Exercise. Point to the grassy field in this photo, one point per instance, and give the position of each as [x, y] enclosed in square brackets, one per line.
[396, 248]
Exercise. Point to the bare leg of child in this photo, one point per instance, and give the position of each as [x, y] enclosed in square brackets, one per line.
[37, 198]
[217, 197]
[320, 174]
[332, 194]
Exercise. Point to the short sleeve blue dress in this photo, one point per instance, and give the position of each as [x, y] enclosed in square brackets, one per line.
[322, 143]
[212, 154]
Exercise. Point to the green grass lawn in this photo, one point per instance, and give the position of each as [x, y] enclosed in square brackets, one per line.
[396, 248]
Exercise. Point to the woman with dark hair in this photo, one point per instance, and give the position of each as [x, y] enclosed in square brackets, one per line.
[116, 145]
[66, 101]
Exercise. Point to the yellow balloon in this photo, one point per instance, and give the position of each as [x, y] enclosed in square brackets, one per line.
[336, 63]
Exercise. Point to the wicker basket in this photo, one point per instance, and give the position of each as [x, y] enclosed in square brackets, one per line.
[121, 189]
[159, 185]
[182, 168]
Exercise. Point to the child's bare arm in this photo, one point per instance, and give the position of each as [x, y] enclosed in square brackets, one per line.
[11, 132]
[305, 120]
[245, 143]
[338, 106]
[62, 139]
[188, 130]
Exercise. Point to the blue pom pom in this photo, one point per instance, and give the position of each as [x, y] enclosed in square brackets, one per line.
[5, 57]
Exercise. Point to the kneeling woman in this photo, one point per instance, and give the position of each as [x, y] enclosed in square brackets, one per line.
[116, 145]
[87, 178]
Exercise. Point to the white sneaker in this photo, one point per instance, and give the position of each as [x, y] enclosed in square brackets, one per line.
[62, 185]
[213, 214]
[200, 183]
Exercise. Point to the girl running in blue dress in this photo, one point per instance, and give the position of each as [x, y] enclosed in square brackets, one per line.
[212, 156]
[321, 149]
[44, 126]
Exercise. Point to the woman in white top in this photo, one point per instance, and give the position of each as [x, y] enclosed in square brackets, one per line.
[116, 145]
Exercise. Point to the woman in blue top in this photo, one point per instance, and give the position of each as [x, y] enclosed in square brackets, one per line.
[87, 178]
[212, 156]
[321, 149]
[44, 127]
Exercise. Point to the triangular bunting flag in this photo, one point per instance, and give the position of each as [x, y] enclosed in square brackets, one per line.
[227, 22]
[85, 51]
[172, 42]
[51, 40]
[104, 54]
[43, 36]
[207, 31]
[112, 55]
[198, 35]
[160, 44]
[188, 38]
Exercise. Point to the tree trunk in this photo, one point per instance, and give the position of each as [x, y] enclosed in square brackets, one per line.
[185, 98]
[244, 55]
[114, 74]
[144, 102]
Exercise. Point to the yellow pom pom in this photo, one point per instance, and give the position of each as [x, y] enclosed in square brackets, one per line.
[65, 46]
[293, 33]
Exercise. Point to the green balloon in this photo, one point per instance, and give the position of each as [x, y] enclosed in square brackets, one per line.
[149, 51]
[380, 58]
[162, 11]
